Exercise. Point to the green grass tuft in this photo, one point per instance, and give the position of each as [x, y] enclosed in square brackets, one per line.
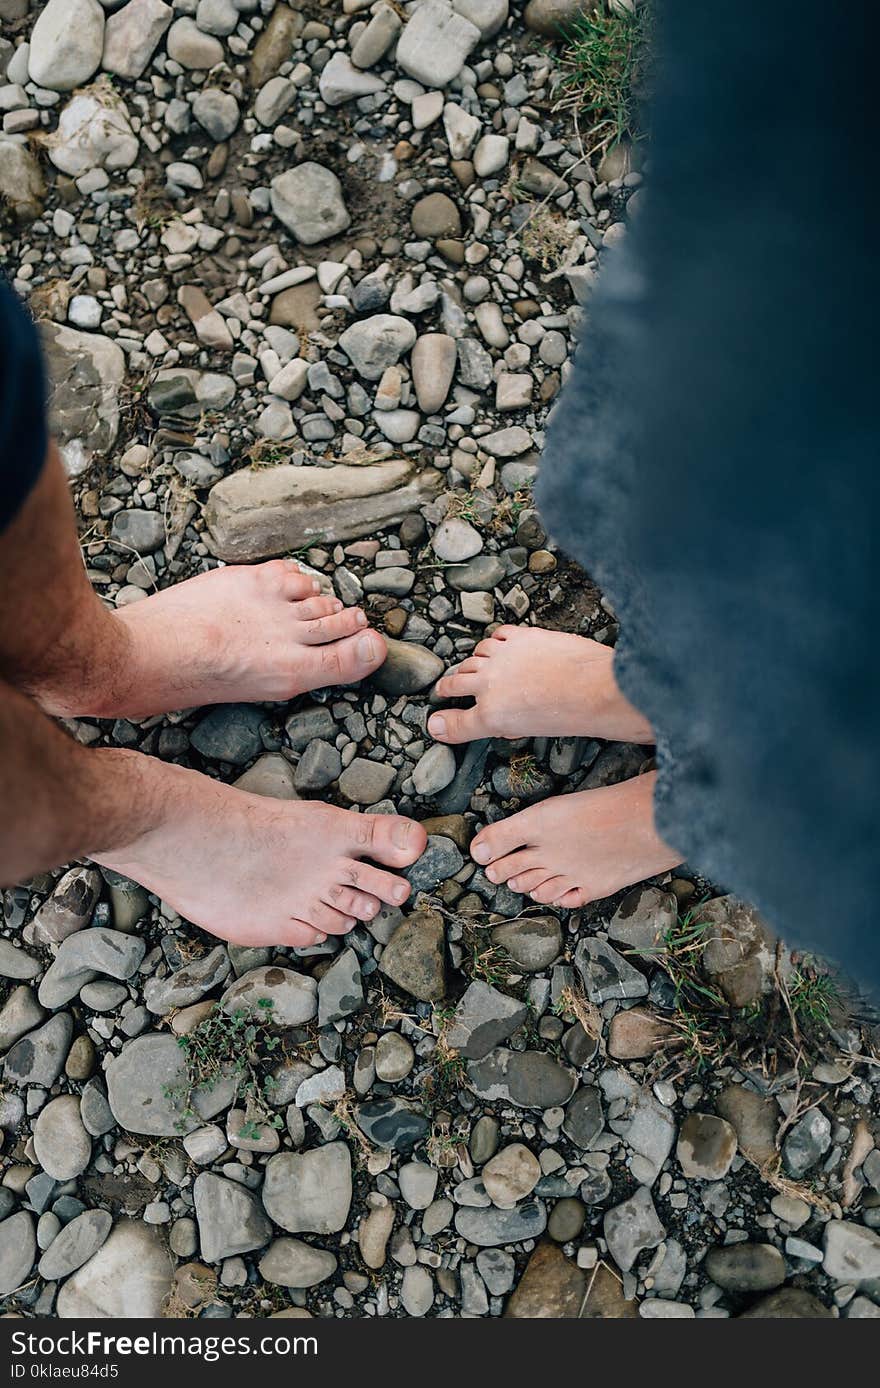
[604, 71]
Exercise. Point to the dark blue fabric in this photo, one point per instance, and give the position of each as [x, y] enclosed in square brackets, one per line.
[23, 428]
[713, 461]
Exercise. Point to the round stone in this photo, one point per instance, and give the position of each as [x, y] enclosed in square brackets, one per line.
[511, 1175]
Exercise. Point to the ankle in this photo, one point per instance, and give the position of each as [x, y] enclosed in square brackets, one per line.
[85, 669]
[620, 720]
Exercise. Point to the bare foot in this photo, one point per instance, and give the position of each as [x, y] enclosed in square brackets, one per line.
[577, 848]
[247, 633]
[260, 871]
[528, 682]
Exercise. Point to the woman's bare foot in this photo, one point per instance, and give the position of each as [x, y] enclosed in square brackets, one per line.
[577, 848]
[260, 871]
[528, 682]
[247, 633]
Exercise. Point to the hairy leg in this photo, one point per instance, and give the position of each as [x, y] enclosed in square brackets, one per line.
[238, 634]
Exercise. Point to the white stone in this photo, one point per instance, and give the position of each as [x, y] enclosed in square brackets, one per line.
[192, 48]
[132, 35]
[93, 132]
[488, 15]
[66, 44]
[491, 155]
[461, 130]
[84, 311]
[426, 108]
[436, 43]
[398, 426]
[308, 200]
[341, 81]
[290, 382]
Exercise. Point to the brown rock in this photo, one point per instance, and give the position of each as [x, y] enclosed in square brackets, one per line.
[706, 1146]
[754, 1120]
[551, 1287]
[414, 957]
[637, 1033]
[789, 1303]
[605, 1299]
[436, 215]
[740, 953]
[553, 18]
[449, 826]
[274, 45]
[297, 307]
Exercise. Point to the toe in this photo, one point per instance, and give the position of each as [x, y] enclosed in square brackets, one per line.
[573, 900]
[549, 890]
[353, 658]
[462, 684]
[289, 578]
[527, 882]
[455, 724]
[497, 840]
[505, 868]
[298, 935]
[388, 838]
[327, 918]
[384, 885]
[313, 607]
[340, 622]
[352, 902]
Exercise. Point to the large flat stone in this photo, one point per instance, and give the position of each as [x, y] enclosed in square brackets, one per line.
[258, 513]
[86, 371]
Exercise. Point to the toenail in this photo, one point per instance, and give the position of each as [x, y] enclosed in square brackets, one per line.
[400, 893]
[316, 587]
[400, 834]
[361, 619]
[366, 648]
[492, 874]
[437, 725]
[481, 853]
[349, 923]
[320, 937]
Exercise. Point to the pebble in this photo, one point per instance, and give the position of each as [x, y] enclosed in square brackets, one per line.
[746, 1267]
[62, 1145]
[309, 1192]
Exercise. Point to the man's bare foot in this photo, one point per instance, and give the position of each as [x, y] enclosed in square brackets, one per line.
[247, 633]
[577, 848]
[260, 871]
[528, 682]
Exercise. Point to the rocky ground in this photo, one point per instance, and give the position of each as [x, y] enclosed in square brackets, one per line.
[309, 278]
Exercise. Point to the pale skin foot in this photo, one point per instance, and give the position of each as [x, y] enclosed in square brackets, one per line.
[528, 682]
[243, 634]
[259, 871]
[573, 849]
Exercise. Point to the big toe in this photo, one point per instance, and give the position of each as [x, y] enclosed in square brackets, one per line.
[353, 658]
[393, 840]
[501, 838]
[455, 725]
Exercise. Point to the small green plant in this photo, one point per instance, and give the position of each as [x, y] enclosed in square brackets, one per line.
[680, 956]
[604, 68]
[814, 997]
[447, 1071]
[488, 962]
[525, 773]
[241, 1045]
